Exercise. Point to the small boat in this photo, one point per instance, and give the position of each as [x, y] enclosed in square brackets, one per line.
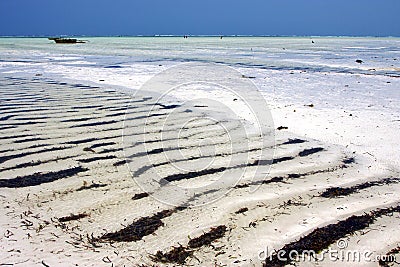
[67, 41]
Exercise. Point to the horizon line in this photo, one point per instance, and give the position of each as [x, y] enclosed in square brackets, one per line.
[201, 35]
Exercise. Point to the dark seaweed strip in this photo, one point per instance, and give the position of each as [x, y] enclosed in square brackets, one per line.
[26, 123]
[119, 106]
[40, 178]
[116, 108]
[1, 109]
[168, 106]
[88, 160]
[291, 176]
[111, 150]
[270, 181]
[277, 160]
[102, 144]
[146, 116]
[194, 174]
[165, 149]
[89, 140]
[322, 238]
[6, 117]
[115, 114]
[294, 141]
[29, 140]
[189, 175]
[36, 146]
[140, 196]
[241, 210]
[77, 119]
[33, 118]
[340, 191]
[171, 130]
[26, 98]
[15, 136]
[82, 141]
[241, 186]
[152, 152]
[138, 229]
[310, 151]
[114, 99]
[34, 163]
[94, 124]
[178, 255]
[73, 217]
[27, 110]
[15, 104]
[349, 161]
[7, 127]
[120, 163]
[274, 180]
[78, 85]
[14, 156]
[87, 107]
[15, 78]
[6, 150]
[207, 238]
[93, 185]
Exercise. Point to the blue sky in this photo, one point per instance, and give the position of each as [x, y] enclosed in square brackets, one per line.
[225, 17]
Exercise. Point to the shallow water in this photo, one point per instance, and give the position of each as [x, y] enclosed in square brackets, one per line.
[334, 54]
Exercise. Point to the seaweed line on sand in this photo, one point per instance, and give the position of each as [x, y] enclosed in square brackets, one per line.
[40, 178]
[345, 191]
[178, 255]
[321, 238]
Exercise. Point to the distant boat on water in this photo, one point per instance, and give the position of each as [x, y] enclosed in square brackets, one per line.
[66, 40]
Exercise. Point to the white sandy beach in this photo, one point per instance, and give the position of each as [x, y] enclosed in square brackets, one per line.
[67, 193]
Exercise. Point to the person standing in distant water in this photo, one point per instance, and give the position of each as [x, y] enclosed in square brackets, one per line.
[221, 37]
